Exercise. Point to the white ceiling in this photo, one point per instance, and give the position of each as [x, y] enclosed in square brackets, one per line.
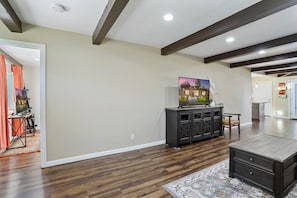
[81, 16]
[25, 56]
[141, 23]
[142, 20]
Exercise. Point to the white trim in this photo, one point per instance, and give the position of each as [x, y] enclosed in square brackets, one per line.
[282, 117]
[291, 98]
[41, 48]
[245, 124]
[43, 147]
[100, 154]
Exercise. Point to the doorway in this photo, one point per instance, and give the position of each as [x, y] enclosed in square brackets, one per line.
[262, 93]
[41, 48]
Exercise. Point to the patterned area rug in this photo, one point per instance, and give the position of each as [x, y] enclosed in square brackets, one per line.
[33, 145]
[215, 182]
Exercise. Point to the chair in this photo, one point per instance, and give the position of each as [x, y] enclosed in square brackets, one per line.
[230, 120]
[30, 124]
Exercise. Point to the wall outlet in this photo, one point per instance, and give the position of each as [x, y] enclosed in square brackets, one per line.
[132, 136]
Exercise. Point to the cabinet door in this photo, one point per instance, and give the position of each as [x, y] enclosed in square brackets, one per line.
[207, 124]
[184, 130]
[217, 125]
[217, 122]
[197, 126]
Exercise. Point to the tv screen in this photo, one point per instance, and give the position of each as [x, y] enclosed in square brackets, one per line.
[21, 102]
[193, 91]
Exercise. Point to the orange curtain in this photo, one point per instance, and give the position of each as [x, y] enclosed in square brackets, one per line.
[4, 129]
[17, 76]
[18, 83]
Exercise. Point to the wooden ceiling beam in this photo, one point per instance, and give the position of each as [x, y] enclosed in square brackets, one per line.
[274, 67]
[111, 13]
[288, 74]
[9, 17]
[281, 71]
[255, 12]
[265, 59]
[253, 48]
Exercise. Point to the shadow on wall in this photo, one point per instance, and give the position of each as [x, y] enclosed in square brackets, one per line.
[171, 96]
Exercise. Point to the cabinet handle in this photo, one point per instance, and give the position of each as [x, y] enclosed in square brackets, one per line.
[251, 159]
[251, 173]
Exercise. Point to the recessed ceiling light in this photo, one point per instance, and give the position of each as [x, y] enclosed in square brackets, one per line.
[168, 17]
[37, 59]
[230, 39]
[58, 7]
[262, 52]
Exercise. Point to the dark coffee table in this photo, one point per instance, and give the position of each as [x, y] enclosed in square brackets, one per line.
[266, 161]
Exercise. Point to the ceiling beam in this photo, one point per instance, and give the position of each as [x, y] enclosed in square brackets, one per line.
[265, 59]
[8, 57]
[255, 12]
[288, 74]
[281, 71]
[253, 48]
[9, 17]
[274, 67]
[112, 11]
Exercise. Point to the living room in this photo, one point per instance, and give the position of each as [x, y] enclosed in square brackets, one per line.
[94, 98]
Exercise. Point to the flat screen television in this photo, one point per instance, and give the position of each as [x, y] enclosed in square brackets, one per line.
[193, 91]
[21, 102]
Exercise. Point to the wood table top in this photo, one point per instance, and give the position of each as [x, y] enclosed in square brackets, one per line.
[273, 147]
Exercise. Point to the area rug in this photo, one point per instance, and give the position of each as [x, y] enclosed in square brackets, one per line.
[33, 145]
[215, 182]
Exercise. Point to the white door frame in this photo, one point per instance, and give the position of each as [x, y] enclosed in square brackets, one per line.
[292, 99]
[41, 48]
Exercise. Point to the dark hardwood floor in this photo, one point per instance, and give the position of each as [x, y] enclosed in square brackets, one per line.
[140, 173]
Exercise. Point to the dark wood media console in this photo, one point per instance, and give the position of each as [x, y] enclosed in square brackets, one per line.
[191, 124]
[266, 161]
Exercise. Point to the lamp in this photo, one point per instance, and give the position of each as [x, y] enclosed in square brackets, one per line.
[58, 7]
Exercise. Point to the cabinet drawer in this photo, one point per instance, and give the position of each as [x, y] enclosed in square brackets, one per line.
[255, 160]
[253, 174]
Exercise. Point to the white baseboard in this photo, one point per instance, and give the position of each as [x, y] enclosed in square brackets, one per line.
[99, 154]
[282, 117]
[245, 124]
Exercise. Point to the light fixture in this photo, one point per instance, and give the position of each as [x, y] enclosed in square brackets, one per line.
[168, 17]
[262, 52]
[36, 59]
[58, 7]
[230, 39]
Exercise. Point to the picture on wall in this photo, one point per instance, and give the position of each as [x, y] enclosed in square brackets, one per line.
[282, 88]
[21, 102]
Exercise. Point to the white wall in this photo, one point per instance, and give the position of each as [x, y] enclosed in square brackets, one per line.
[97, 95]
